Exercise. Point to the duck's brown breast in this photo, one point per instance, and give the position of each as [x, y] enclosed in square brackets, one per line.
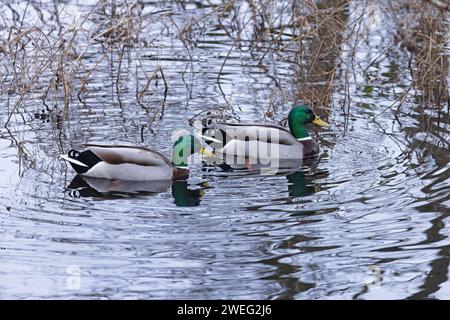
[310, 148]
[180, 174]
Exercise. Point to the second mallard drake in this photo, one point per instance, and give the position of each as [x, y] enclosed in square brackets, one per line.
[266, 140]
[121, 162]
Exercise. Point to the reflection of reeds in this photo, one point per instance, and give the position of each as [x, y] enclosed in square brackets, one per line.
[308, 35]
[425, 37]
[59, 58]
[321, 54]
[60, 62]
[422, 30]
[431, 62]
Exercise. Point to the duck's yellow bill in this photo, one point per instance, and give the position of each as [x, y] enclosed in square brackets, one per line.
[205, 152]
[320, 122]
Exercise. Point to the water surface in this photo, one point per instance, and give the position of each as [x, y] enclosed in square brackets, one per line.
[367, 220]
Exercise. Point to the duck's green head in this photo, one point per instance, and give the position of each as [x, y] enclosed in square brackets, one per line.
[183, 148]
[298, 117]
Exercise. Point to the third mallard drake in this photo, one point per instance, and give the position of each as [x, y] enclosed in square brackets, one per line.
[266, 140]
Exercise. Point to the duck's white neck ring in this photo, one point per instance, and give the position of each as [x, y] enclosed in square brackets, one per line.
[304, 139]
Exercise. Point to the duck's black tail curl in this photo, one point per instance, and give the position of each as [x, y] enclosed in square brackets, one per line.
[82, 162]
[74, 154]
[215, 137]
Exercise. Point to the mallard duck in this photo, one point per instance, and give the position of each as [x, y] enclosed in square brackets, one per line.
[123, 162]
[266, 140]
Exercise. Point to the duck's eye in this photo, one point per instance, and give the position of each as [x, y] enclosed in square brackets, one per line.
[180, 153]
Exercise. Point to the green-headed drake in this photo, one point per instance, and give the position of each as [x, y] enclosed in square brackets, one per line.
[135, 163]
[266, 140]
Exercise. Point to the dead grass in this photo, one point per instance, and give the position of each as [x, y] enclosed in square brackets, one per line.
[58, 61]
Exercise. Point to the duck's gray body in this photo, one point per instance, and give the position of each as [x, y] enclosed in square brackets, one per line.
[121, 162]
[259, 141]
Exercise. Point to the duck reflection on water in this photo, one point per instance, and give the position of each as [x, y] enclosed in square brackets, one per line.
[299, 182]
[184, 195]
[297, 172]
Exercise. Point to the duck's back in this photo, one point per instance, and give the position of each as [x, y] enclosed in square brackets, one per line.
[119, 154]
[255, 140]
[129, 163]
[262, 132]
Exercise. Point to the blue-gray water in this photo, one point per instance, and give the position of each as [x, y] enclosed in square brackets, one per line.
[368, 220]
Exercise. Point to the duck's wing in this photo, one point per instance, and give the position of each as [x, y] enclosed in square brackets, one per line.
[121, 154]
[270, 133]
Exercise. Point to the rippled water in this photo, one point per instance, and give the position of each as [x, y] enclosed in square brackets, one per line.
[367, 220]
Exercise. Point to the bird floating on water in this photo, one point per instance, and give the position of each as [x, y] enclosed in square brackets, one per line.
[266, 140]
[125, 162]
